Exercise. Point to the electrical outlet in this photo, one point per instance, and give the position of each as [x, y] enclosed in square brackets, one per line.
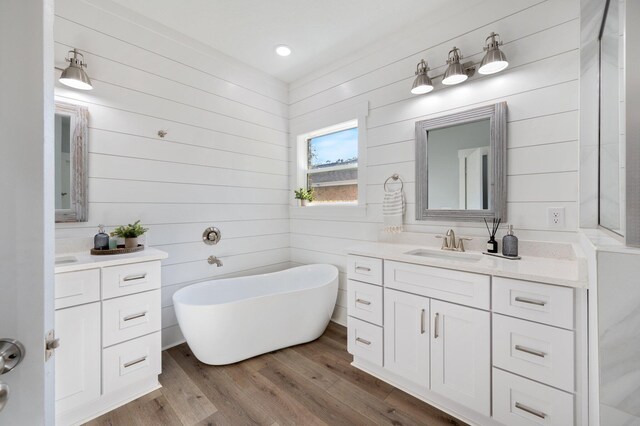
[555, 217]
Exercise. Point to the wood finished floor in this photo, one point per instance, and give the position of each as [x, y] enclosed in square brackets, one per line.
[310, 384]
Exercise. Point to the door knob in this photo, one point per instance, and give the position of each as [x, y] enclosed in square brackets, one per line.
[4, 395]
[11, 353]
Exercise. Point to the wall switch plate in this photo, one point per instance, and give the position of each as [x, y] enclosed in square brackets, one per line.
[555, 217]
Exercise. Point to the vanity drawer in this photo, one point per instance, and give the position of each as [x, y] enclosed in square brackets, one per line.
[548, 304]
[521, 402]
[128, 279]
[365, 301]
[539, 352]
[364, 340]
[77, 288]
[128, 317]
[130, 362]
[366, 269]
[465, 288]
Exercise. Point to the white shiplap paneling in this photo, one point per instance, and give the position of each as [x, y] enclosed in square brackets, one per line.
[223, 162]
[541, 90]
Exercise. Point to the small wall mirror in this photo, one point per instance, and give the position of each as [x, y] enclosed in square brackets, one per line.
[461, 165]
[71, 139]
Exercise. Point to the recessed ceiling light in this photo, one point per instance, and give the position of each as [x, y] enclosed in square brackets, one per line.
[283, 50]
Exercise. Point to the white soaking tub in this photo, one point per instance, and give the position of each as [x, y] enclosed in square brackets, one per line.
[228, 320]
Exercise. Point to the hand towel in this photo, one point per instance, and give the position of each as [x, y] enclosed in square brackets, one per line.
[393, 211]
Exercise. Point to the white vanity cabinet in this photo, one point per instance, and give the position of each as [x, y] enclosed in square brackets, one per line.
[108, 321]
[406, 336]
[487, 349]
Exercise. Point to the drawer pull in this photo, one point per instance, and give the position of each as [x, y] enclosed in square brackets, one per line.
[530, 351]
[134, 316]
[530, 301]
[531, 410]
[363, 268]
[422, 329]
[436, 326]
[362, 301]
[135, 277]
[135, 361]
[361, 340]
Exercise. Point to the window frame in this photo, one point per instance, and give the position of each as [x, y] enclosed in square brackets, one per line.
[316, 125]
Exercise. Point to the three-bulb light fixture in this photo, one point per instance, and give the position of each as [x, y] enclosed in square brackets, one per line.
[494, 61]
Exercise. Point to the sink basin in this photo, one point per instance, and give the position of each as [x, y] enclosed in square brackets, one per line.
[61, 260]
[446, 255]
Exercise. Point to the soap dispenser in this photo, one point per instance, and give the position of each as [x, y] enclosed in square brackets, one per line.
[101, 240]
[510, 244]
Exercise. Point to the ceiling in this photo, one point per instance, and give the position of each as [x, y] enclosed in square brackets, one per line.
[318, 31]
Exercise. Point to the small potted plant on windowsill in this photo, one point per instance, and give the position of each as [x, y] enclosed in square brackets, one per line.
[130, 233]
[303, 195]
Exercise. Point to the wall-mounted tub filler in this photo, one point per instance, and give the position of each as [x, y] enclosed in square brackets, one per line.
[211, 236]
[214, 260]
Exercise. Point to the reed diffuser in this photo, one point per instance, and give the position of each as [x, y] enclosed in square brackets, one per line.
[492, 244]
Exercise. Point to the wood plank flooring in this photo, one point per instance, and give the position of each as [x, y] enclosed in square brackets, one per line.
[310, 384]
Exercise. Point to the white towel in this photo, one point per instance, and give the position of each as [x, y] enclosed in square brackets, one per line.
[393, 211]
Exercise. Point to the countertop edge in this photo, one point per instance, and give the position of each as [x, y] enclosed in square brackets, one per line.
[88, 261]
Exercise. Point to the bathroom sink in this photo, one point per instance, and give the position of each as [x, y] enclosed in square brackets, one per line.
[62, 260]
[446, 255]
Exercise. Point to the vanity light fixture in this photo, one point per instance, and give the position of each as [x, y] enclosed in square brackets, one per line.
[455, 72]
[494, 60]
[422, 84]
[74, 76]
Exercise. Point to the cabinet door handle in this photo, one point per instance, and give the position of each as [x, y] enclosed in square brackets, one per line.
[134, 316]
[135, 361]
[361, 340]
[362, 301]
[135, 277]
[436, 326]
[531, 410]
[530, 301]
[530, 351]
[363, 268]
[422, 327]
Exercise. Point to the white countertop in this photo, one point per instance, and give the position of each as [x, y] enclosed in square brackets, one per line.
[85, 260]
[564, 272]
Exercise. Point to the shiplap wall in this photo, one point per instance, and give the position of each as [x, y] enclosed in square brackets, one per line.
[223, 162]
[541, 87]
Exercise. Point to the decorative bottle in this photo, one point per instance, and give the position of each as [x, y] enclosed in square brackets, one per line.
[492, 245]
[510, 243]
[101, 240]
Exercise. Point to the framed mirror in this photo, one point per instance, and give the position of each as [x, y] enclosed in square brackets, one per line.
[71, 146]
[461, 165]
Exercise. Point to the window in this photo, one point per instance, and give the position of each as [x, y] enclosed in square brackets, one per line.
[331, 168]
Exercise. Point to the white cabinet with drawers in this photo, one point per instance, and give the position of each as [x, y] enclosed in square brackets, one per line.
[108, 322]
[488, 349]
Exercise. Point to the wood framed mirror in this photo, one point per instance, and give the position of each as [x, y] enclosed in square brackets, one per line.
[71, 153]
[461, 165]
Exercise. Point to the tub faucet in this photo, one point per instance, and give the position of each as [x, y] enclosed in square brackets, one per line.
[214, 260]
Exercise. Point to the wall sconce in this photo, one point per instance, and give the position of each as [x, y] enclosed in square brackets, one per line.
[494, 61]
[422, 84]
[74, 76]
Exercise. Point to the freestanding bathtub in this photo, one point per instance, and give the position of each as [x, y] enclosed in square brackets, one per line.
[228, 320]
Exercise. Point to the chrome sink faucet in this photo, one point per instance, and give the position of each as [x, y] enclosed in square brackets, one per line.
[450, 243]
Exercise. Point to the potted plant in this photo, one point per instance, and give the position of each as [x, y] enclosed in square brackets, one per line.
[130, 233]
[303, 195]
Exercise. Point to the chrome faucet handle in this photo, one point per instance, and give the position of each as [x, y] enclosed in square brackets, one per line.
[460, 246]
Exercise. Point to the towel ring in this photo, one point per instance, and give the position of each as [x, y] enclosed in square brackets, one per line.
[395, 177]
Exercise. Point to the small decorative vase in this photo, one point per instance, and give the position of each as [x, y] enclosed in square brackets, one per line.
[303, 202]
[131, 242]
